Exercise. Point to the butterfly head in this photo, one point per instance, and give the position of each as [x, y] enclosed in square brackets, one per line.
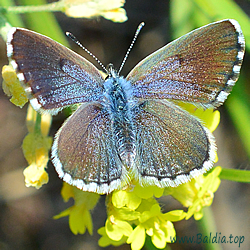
[112, 72]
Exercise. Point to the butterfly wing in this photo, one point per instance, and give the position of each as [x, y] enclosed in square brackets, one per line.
[172, 145]
[53, 76]
[84, 152]
[200, 67]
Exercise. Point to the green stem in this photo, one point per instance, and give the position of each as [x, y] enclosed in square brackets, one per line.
[38, 124]
[57, 6]
[206, 227]
[235, 175]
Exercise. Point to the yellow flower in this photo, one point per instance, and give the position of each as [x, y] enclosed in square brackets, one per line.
[155, 224]
[116, 229]
[127, 208]
[197, 193]
[12, 87]
[35, 176]
[105, 240]
[109, 9]
[79, 214]
[36, 146]
[36, 149]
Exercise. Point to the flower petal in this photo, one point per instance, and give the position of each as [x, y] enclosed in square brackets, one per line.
[12, 87]
[116, 229]
[125, 199]
[137, 238]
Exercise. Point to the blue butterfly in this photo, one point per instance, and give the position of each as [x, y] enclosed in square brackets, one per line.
[128, 128]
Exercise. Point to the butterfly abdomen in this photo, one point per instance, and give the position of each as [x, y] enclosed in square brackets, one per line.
[117, 104]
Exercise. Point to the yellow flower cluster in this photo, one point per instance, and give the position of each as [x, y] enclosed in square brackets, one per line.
[197, 193]
[36, 146]
[109, 9]
[133, 214]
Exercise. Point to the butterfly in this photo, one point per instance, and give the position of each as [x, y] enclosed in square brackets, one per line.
[129, 127]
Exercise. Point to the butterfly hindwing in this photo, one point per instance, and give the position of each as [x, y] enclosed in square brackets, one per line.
[172, 145]
[84, 152]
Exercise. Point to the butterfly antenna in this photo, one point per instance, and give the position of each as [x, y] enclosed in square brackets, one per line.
[73, 38]
[131, 45]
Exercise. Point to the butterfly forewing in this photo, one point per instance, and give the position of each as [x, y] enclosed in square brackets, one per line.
[200, 67]
[53, 76]
[171, 144]
[84, 152]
